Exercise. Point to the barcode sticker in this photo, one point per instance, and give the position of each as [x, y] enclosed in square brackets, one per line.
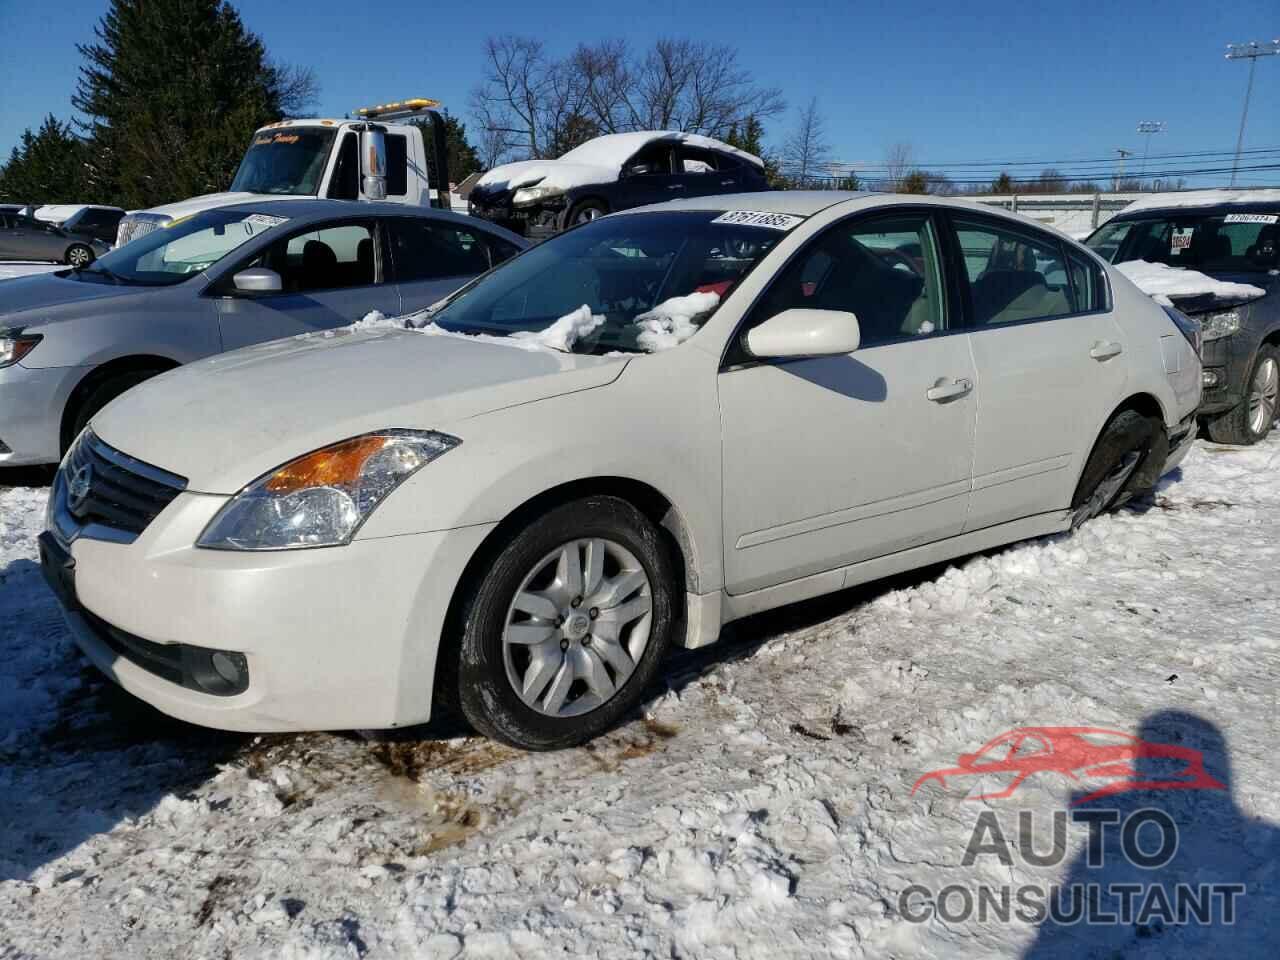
[758, 218]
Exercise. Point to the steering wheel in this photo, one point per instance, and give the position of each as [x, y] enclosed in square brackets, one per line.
[895, 257]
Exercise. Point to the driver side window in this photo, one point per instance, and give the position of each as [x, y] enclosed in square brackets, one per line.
[653, 160]
[885, 271]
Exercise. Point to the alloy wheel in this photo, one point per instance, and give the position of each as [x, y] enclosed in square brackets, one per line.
[577, 627]
[1263, 394]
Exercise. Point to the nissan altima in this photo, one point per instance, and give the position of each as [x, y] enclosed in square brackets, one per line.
[517, 501]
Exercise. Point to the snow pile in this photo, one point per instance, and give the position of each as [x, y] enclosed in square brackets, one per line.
[377, 320]
[670, 323]
[564, 333]
[1162, 282]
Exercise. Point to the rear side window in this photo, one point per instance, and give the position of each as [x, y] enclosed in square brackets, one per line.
[427, 250]
[397, 165]
[1088, 286]
[1014, 276]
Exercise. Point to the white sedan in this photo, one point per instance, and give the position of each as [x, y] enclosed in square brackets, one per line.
[620, 440]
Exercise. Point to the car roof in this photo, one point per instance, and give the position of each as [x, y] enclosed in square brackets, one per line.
[1240, 201]
[302, 212]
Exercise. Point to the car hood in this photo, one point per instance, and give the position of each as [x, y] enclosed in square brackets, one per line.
[1198, 304]
[25, 300]
[211, 201]
[227, 420]
[549, 173]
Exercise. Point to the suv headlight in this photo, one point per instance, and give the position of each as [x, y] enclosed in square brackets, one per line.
[322, 498]
[530, 196]
[1224, 323]
[14, 346]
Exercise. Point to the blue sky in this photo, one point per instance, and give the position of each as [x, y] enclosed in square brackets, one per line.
[1012, 80]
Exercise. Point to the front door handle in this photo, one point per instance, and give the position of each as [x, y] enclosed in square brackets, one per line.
[1105, 350]
[942, 391]
[676, 186]
[726, 183]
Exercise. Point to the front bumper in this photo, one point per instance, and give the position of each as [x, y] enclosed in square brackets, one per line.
[536, 223]
[331, 638]
[31, 405]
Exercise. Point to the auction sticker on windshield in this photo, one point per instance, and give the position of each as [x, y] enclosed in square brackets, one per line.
[757, 218]
[265, 221]
[1251, 218]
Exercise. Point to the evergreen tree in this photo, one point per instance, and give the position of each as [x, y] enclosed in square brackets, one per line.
[750, 137]
[462, 156]
[46, 167]
[173, 90]
[1002, 183]
[916, 181]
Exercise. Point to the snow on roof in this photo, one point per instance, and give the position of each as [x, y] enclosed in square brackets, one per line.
[1162, 282]
[1202, 198]
[614, 149]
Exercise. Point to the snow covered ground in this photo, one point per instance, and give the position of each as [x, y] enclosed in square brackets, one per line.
[14, 268]
[761, 807]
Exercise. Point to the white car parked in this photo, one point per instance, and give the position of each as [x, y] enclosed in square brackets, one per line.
[619, 440]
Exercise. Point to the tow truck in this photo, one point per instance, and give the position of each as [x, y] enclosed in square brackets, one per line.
[367, 156]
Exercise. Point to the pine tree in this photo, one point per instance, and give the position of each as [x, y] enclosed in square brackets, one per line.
[172, 90]
[1002, 184]
[46, 167]
[750, 137]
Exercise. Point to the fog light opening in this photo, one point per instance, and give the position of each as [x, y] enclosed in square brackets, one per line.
[1210, 378]
[220, 672]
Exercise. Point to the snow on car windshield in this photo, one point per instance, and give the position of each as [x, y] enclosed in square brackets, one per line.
[639, 282]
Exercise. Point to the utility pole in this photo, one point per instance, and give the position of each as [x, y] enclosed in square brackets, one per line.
[1122, 155]
[1149, 127]
[1250, 51]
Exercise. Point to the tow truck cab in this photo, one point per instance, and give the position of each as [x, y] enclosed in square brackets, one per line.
[366, 157]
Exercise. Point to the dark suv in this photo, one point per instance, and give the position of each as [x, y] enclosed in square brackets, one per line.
[1236, 241]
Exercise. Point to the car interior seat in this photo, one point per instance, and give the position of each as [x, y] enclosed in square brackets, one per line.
[1265, 249]
[364, 262]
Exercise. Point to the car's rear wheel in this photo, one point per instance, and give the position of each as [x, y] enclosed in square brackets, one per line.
[586, 211]
[79, 255]
[1251, 419]
[1118, 467]
[567, 626]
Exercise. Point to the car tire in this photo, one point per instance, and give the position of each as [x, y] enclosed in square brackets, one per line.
[1120, 466]
[1250, 420]
[624, 566]
[585, 212]
[99, 396]
[79, 255]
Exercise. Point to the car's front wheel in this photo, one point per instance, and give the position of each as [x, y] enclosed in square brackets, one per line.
[586, 211]
[1251, 419]
[79, 255]
[567, 625]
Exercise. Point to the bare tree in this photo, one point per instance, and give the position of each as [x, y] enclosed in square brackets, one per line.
[806, 151]
[897, 162]
[544, 104]
[296, 87]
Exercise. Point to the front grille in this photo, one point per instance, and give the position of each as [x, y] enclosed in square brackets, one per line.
[133, 227]
[106, 487]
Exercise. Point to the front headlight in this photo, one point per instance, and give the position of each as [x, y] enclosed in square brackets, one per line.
[14, 346]
[322, 498]
[1218, 325]
[531, 196]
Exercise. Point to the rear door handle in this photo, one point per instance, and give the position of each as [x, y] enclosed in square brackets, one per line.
[1105, 350]
[676, 186]
[942, 391]
[726, 183]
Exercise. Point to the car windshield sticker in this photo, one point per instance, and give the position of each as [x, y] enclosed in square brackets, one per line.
[261, 221]
[1181, 238]
[756, 218]
[1251, 218]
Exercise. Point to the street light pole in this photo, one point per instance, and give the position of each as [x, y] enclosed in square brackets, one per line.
[1250, 51]
[1149, 127]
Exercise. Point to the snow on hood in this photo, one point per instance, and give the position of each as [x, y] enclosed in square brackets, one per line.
[558, 337]
[596, 161]
[1203, 198]
[670, 323]
[223, 421]
[1162, 282]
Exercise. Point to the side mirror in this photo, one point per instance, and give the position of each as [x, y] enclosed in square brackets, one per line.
[373, 164]
[258, 280]
[802, 332]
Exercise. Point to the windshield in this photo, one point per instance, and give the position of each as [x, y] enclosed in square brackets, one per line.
[647, 281]
[1222, 242]
[289, 161]
[180, 249]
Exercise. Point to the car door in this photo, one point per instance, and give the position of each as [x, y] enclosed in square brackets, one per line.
[432, 258]
[706, 172]
[648, 177]
[332, 275]
[1048, 365]
[834, 460]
